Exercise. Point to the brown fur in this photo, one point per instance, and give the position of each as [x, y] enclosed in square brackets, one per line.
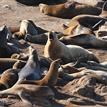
[51, 77]
[8, 78]
[26, 27]
[19, 64]
[68, 9]
[84, 20]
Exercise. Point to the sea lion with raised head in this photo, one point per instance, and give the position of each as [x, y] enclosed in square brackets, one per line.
[68, 9]
[31, 71]
[8, 78]
[50, 78]
[84, 20]
[55, 49]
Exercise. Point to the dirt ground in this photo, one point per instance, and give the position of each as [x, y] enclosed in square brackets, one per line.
[11, 13]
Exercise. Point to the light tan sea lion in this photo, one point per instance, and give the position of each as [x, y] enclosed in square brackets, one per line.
[85, 40]
[84, 20]
[51, 77]
[8, 78]
[68, 9]
[28, 27]
[55, 49]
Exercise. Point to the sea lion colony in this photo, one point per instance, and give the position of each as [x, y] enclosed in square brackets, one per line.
[66, 61]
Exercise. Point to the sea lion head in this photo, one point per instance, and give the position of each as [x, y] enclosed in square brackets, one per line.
[52, 36]
[56, 63]
[3, 34]
[43, 8]
[33, 53]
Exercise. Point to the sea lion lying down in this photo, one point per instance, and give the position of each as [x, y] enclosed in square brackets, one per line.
[68, 9]
[55, 49]
[85, 40]
[27, 27]
[85, 20]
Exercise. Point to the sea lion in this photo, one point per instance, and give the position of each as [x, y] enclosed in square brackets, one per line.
[40, 38]
[6, 63]
[6, 50]
[19, 64]
[20, 56]
[84, 20]
[84, 40]
[51, 77]
[8, 78]
[31, 71]
[28, 27]
[28, 92]
[77, 30]
[55, 49]
[68, 9]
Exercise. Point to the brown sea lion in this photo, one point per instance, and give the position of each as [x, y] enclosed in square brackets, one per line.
[68, 9]
[8, 78]
[77, 30]
[84, 20]
[51, 77]
[6, 50]
[68, 53]
[27, 27]
[85, 40]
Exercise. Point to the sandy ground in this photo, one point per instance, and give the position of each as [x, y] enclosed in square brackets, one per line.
[12, 12]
